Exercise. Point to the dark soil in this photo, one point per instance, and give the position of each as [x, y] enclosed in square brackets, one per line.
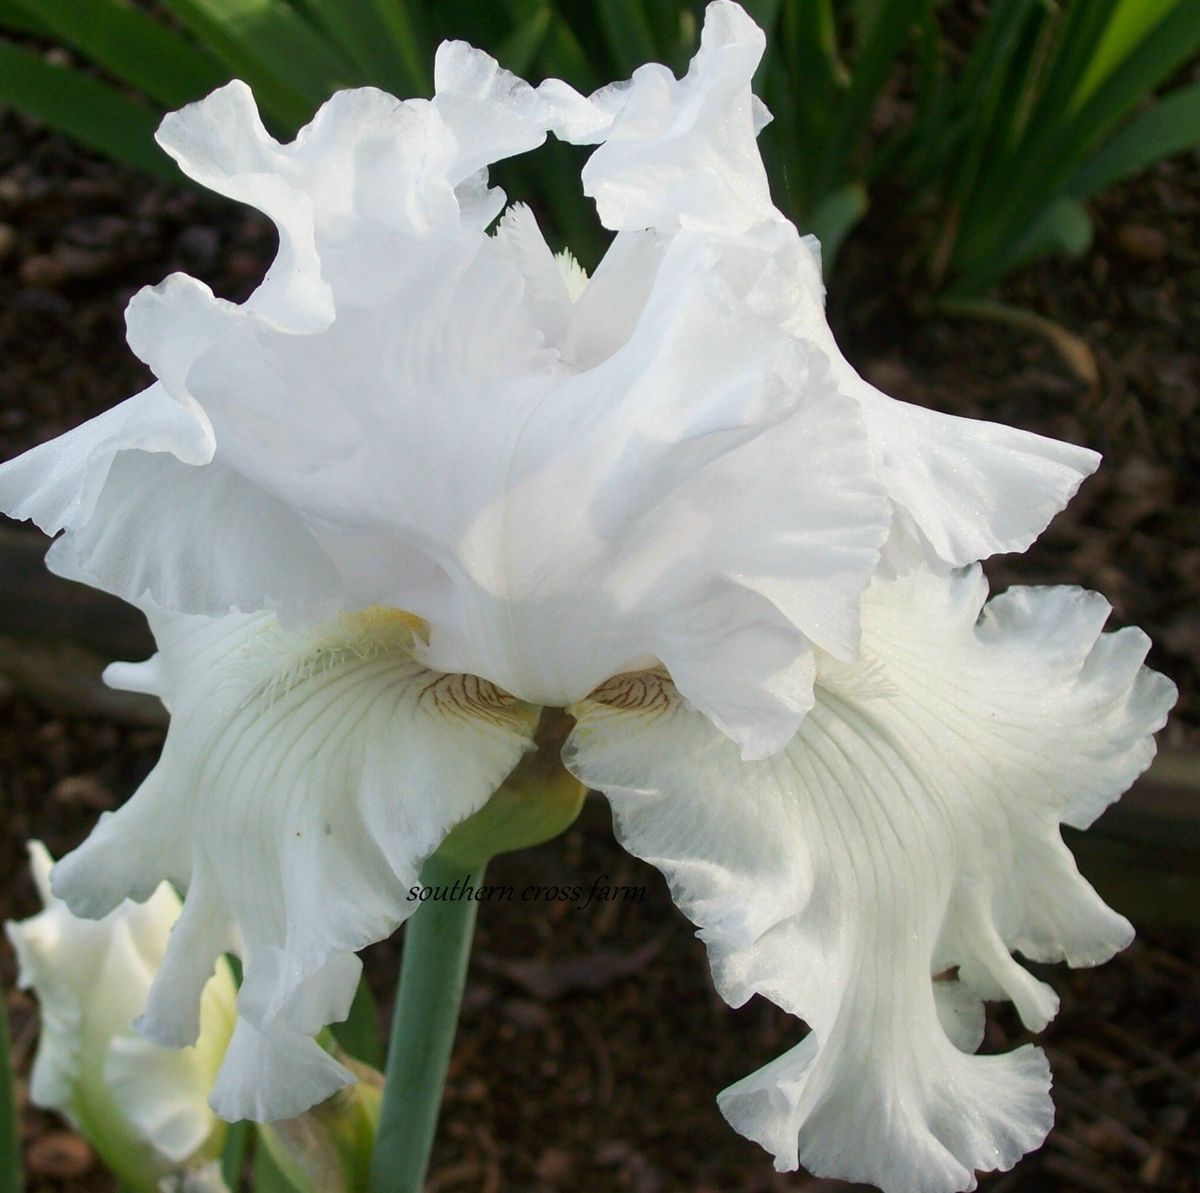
[593, 1043]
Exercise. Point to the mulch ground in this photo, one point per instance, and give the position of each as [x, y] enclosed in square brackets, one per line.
[593, 1043]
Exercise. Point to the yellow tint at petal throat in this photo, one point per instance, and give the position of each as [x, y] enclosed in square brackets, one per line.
[384, 617]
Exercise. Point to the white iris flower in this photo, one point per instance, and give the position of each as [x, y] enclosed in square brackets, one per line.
[429, 481]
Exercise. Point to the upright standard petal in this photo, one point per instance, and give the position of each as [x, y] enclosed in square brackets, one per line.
[682, 152]
[963, 489]
[567, 484]
[677, 152]
[304, 780]
[57, 484]
[874, 876]
[146, 512]
[670, 464]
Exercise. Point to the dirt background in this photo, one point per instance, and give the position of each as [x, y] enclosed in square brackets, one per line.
[593, 1044]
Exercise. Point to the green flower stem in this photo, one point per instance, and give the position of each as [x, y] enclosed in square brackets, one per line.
[433, 971]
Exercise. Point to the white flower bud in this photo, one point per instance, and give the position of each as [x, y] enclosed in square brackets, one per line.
[144, 1108]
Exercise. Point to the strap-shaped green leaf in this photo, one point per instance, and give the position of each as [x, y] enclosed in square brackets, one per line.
[131, 45]
[410, 43]
[1130, 23]
[16, 18]
[675, 28]
[834, 217]
[562, 56]
[1062, 226]
[518, 50]
[992, 52]
[873, 65]
[11, 1180]
[1148, 65]
[630, 38]
[983, 166]
[290, 67]
[365, 40]
[803, 86]
[83, 108]
[1074, 38]
[1055, 150]
[1170, 126]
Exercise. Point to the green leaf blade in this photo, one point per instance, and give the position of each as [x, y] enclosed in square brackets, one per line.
[411, 44]
[131, 45]
[834, 217]
[1130, 23]
[630, 37]
[233, 1154]
[518, 51]
[365, 40]
[1171, 126]
[82, 108]
[359, 1033]
[290, 67]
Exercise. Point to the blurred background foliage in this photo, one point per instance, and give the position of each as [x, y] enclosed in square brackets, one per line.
[995, 138]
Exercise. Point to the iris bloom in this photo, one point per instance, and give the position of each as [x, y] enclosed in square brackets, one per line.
[430, 480]
[145, 1108]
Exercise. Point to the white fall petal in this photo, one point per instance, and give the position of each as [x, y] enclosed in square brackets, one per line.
[911, 829]
[145, 1108]
[304, 780]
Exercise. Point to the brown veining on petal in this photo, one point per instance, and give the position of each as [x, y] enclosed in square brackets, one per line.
[638, 691]
[469, 695]
[373, 636]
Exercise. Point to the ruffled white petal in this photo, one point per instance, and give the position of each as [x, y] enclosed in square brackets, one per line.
[176, 534]
[147, 514]
[911, 827]
[677, 152]
[221, 143]
[605, 315]
[943, 470]
[682, 153]
[668, 463]
[683, 529]
[708, 485]
[491, 113]
[304, 780]
[163, 1093]
[549, 301]
[963, 489]
[368, 164]
[57, 484]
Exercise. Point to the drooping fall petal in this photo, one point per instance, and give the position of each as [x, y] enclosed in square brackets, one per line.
[910, 830]
[304, 780]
